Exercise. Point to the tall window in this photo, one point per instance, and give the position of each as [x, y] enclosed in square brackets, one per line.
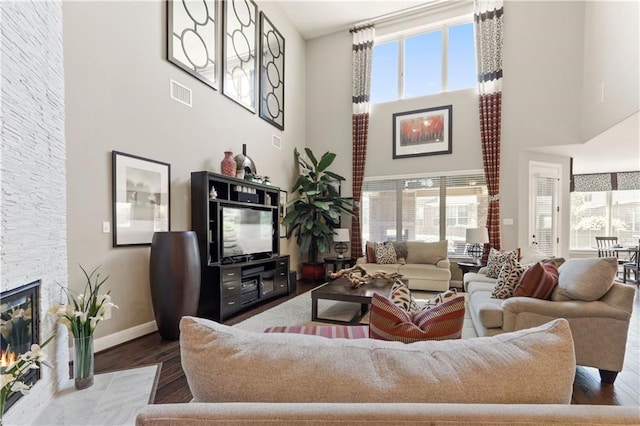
[424, 209]
[424, 63]
[604, 214]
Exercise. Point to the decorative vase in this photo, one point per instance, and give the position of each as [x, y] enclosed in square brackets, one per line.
[174, 275]
[240, 174]
[312, 271]
[83, 362]
[228, 164]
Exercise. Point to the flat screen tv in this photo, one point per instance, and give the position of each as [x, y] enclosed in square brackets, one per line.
[246, 231]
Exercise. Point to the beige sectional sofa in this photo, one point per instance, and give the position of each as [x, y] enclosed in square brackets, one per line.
[597, 309]
[241, 377]
[426, 266]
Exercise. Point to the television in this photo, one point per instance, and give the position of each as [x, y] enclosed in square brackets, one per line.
[246, 231]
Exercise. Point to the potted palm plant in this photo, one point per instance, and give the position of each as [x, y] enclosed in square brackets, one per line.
[316, 211]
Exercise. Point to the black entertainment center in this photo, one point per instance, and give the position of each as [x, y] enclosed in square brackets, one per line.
[238, 235]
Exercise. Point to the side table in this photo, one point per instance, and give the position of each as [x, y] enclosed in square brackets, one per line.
[469, 267]
[337, 264]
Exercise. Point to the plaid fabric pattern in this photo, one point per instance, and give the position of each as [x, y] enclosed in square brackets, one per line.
[538, 281]
[489, 41]
[329, 331]
[362, 52]
[390, 322]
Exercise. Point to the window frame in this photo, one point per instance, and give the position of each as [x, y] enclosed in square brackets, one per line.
[401, 36]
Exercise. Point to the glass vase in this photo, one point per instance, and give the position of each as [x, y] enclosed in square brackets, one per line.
[228, 164]
[83, 362]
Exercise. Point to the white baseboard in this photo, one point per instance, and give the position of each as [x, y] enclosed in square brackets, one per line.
[114, 339]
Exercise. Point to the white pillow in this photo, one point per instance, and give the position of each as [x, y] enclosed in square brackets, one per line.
[585, 279]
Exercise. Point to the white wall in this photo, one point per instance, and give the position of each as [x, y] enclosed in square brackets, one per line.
[117, 89]
[32, 168]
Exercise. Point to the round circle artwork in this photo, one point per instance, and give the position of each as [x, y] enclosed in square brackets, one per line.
[273, 105]
[274, 44]
[198, 12]
[241, 46]
[241, 82]
[195, 49]
[243, 12]
[273, 74]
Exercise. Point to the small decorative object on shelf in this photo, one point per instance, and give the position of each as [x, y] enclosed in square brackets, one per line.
[13, 373]
[213, 194]
[228, 164]
[81, 315]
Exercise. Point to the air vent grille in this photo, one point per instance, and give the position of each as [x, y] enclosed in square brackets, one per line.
[275, 141]
[180, 93]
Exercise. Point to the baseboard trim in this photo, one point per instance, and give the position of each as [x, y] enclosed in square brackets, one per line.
[123, 336]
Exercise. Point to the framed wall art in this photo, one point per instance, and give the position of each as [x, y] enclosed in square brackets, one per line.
[422, 132]
[141, 199]
[192, 26]
[271, 73]
[239, 61]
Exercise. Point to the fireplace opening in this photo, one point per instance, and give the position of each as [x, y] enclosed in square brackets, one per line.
[19, 322]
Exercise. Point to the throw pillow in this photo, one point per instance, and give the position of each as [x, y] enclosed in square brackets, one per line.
[585, 279]
[538, 281]
[497, 260]
[385, 253]
[401, 251]
[507, 279]
[390, 322]
[401, 296]
[370, 251]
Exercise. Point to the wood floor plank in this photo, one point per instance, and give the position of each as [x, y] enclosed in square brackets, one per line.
[173, 387]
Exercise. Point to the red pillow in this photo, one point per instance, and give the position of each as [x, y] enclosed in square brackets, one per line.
[390, 322]
[538, 281]
[370, 251]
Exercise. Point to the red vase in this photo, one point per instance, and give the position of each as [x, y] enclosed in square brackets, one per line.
[312, 271]
[228, 164]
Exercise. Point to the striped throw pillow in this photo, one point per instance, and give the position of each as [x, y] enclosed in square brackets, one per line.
[390, 322]
[538, 281]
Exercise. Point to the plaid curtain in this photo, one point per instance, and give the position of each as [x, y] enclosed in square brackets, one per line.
[488, 19]
[362, 51]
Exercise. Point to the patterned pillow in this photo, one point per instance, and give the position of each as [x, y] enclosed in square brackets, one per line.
[370, 251]
[402, 297]
[497, 259]
[390, 322]
[538, 281]
[508, 278]
[385, 253]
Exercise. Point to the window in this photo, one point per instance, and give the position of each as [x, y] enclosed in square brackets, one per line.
[604, 214]
[424, 209]
[424, 63]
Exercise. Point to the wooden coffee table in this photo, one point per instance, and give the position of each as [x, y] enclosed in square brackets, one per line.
[341, 290]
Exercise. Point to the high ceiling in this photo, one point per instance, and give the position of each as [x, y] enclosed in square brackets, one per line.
[314, 18]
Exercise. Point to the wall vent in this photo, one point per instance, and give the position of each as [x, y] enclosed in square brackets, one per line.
[275, 141]
[180, 93]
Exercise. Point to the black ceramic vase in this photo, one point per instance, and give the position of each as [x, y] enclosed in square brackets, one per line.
[174, 274]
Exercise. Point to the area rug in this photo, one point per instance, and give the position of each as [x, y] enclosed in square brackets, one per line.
[297, 311]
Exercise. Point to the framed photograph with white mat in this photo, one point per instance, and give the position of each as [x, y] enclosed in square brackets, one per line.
[141, 199]
[422, 132]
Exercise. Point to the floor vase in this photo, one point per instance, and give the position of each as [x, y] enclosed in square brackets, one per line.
[174, 274]
[83, 362]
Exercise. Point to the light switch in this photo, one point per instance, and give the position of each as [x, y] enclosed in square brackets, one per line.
[507, 221]
[106, 227]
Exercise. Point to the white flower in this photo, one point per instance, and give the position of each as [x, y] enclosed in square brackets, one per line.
[35, 354]
[94, 321]
[82, 316]
[19, 386]
[5, 379]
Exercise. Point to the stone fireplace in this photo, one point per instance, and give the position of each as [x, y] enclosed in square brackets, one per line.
[33, 211]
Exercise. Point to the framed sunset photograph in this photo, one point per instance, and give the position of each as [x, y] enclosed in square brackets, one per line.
[422, 132]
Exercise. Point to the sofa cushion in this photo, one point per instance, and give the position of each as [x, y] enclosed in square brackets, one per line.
[538, 281]
[385, 253]
[486, 308]
[227, 364]
[508, 278]
[401, 251]
[370, 251]
[497, 260]
[585, 279]
[424, 270]
[389, 321]
[423, 252]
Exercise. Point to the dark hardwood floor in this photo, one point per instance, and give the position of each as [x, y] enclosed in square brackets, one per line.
[172, 384]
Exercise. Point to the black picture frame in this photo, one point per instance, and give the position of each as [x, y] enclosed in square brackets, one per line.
[141, 199]
[192, 38]
[239, 45]
[272, 57]
[423, 132]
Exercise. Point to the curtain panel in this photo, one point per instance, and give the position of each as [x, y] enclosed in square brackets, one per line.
[488, 23]
[362, 51]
